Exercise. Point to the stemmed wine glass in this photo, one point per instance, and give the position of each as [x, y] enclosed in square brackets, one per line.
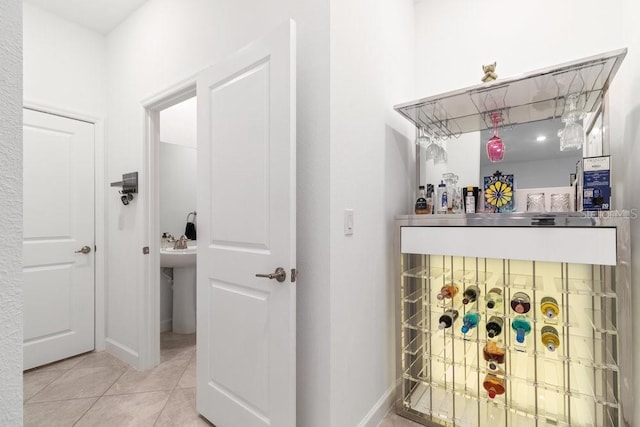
[572, 136]
[435, 150]
[495, 146]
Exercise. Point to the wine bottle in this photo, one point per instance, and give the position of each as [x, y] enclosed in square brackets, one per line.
[494, 384]
[471, 294]
[522, 326]
[550, 338]
[520, 303]
[470, 320]
[549, 307]
[494, 326]
[447, 318]
[494, 354]
[493, 298]
[448, 291]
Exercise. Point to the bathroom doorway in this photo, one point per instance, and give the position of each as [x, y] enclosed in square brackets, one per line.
[245, 365]
[170, 179]
[178, 217]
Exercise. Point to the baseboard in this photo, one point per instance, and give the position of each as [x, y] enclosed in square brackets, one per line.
[122, 352]
[166, 325]
[380, 408]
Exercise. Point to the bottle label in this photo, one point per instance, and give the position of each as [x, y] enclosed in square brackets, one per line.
[470, 203]
[421, 204]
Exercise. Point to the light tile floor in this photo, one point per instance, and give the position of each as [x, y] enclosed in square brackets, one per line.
[97, 389]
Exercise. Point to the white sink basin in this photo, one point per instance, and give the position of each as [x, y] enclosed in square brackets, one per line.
[178, 257]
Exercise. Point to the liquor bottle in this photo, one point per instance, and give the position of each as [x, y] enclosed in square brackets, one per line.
[470, 320]
[430, 205]
[494, 326]
[494, 383]
[469, 200]
[447, 318]
[471, 294]
[494, 298]
[549, 307]
[520, 303]
[494, 354]
[522, 326]
[441, 198]
[456, 196]
[448, 291]
[550, 338]
[421, 203]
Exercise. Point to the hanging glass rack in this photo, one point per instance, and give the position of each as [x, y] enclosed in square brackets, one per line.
[533, 96]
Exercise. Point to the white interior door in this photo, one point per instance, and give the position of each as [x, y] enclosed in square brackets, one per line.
[246, 350]
[58, 221]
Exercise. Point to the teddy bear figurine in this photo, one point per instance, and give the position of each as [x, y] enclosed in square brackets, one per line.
[489, 72]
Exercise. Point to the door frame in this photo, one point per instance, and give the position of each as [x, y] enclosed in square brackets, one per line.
[99, 220]
[149, 296]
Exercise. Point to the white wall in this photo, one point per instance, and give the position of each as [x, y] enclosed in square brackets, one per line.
[64, 64]
[144, 58]
[178, 156]
[178, 123]
[11, 208]
[535, 35]
[531, 36]
[625, 136]
[372, 172]
[177, 187]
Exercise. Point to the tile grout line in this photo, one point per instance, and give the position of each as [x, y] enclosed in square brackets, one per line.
[45, 386]
[49, 368]
[172, 390]
[123, 370]
[100, 397]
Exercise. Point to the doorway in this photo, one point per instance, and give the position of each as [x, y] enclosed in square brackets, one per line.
[167, 205]
[63, 227]
[178, 218]
[246, 276]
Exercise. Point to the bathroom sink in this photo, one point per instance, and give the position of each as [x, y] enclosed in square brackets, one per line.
[178, 257]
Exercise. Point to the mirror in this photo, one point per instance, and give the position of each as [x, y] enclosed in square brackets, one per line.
[535, 164]
[532, 155]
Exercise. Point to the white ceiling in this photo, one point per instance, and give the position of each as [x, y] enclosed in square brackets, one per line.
[98, 15]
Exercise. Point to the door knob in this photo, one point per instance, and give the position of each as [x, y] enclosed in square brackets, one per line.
[279, 275]
[84, 250]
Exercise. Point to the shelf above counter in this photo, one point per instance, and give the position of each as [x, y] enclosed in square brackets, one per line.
[533, 96]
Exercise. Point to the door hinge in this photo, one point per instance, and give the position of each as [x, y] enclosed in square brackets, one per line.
[294, 275]
[145, 250]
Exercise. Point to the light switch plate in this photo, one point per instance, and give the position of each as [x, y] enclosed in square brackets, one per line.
[348, 222]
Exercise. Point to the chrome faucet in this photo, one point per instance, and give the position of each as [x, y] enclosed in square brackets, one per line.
[181, 243]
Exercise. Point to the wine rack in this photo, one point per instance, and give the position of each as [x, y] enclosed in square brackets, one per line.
[443, 372]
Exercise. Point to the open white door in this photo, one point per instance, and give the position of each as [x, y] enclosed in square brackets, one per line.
[246, 351]
[58, 240]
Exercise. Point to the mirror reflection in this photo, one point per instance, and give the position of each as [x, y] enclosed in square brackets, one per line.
[532, 154]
